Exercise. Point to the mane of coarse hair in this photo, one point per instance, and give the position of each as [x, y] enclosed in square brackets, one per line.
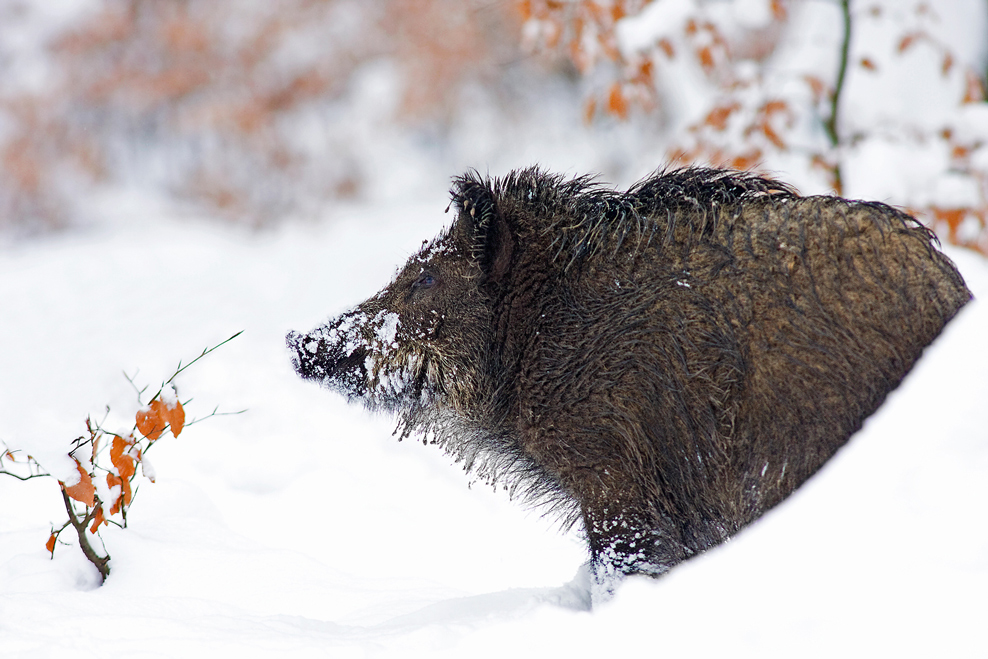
[586, 216]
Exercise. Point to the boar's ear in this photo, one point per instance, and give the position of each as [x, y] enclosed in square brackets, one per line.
[481, 227]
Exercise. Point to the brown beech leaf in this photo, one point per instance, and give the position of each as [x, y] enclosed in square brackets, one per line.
[98, 519]
[149, 421]
[717, 118]
[667, 48]
[589, 110]
[908, 40]
[123, 462]
[175, 416]
[974, 90]
[127, 492]
[83, 491]
[112, 480]
[50, 545]
[617, 104]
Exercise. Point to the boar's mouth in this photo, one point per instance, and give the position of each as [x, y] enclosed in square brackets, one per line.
[315, 359]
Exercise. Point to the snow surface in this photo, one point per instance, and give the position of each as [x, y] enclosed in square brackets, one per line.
[303, 528]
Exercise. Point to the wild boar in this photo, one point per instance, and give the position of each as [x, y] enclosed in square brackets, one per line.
[662, 365]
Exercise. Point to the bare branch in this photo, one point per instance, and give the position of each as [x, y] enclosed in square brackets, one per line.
[33, 468]
[215, 412]
[831, 124]
[19, 477]
[203, 354]
[102, 563]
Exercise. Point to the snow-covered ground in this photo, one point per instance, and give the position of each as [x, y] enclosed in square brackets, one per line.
[302, 527]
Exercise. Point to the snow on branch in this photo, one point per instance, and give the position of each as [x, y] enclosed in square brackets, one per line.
[104, 487]
[882, 99]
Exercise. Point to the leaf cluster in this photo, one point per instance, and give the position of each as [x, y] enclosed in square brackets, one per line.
[107, 467]
[753, 118]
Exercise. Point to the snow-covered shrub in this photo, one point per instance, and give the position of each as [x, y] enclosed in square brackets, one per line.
[100, 469]
[882, 99]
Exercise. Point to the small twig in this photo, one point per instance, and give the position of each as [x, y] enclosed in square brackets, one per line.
[34, 469]
[205, 352]
[830, 125]
[215, 412]
[130, 379]
[19, 477]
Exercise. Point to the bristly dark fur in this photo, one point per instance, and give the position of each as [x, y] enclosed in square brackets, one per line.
[589, 214]
[663, 364]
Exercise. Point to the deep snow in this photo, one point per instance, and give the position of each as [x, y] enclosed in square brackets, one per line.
[303, 527]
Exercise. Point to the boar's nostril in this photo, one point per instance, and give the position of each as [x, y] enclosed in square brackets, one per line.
[347, 372]
[355, 359]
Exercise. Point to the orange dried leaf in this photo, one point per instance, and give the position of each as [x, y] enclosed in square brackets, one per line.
[717, 118]
[907, 41]
[149, 421]
[817, 86]
[746, 161]
[98, 519]
[50, 545]
[112, 480]
[123, 462]
[952, 217]
[83, 491]
[617, 104]
[948, 63]
[681, 156]
[589, 110]
[645, 69]
[126, 467]
[959, 152]
[774, 106]
[117, 448]
[706, 57]
[524, 8]
[974, 91]
[666, 47]
[772, 136]
[868, 64]
[175, 416]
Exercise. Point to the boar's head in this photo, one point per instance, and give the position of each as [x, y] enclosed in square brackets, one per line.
[421, 346]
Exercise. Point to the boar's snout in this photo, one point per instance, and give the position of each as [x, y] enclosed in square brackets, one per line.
[316, 358]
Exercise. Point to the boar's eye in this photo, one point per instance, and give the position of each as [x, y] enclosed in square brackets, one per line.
[425, 280]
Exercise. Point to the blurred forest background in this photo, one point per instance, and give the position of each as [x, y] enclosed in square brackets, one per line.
[261, 111]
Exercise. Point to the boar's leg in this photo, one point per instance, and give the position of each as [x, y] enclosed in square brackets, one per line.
[624, 538]
[625, 531]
